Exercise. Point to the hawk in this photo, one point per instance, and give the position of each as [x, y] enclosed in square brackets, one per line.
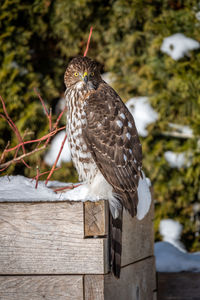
[104, 144]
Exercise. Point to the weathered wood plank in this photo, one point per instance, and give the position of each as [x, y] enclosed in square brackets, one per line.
[137, 282]
[178, 286]
[41, 287]
[137, 237]
[48, 238]
[96, 218]
[94, 287]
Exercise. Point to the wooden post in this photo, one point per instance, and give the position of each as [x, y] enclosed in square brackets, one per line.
[59, 250]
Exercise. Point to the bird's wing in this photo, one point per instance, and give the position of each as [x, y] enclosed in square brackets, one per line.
[112, 138]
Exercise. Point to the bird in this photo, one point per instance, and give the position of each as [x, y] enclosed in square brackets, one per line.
[104, 143]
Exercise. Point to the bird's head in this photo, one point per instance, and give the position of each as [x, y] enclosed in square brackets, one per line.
[82, 73]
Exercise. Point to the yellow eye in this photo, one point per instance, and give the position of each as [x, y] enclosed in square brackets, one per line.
[76, 74]
[92, 74]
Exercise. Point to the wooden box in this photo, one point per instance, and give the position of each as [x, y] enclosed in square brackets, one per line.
[59, 250]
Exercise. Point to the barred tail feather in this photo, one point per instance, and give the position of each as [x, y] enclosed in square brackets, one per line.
[116, 243]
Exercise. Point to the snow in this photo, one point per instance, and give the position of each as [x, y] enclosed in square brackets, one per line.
[175, 160]
[171, 259]
[178, 45]
[21, 189]
[183, 129]
[144, 197]
[171, 255]
[171, 232]
[52, 153]
[142, 112]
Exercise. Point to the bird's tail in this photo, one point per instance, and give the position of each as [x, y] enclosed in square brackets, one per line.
[116, 243]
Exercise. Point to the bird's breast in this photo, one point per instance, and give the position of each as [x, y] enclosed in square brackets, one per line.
[81, 156]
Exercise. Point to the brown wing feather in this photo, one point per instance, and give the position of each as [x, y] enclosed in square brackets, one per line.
[113, 141]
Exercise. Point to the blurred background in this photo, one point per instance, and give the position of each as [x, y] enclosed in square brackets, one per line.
[149, 52]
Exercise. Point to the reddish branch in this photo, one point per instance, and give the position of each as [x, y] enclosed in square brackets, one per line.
[43, 138]
[37, 177]
[88, 42]
[19, 158]
[44, 173]
[49, 115]
[69, 187]
[4, 152]
[46, 138]
[12, 124]
[57, 158]
[13, 127]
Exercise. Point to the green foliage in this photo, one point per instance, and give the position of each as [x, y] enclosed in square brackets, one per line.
[38, 38]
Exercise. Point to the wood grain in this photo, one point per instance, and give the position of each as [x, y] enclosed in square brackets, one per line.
[41, 287]
[178, 286]
[137, 237]
[48, 238]
[94, 287]
[137, 282]
[96, 218]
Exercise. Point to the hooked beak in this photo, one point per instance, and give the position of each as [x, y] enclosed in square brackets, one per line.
[85, 77]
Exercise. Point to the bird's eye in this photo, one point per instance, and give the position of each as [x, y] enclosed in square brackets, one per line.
[92, 74]
[76, 74]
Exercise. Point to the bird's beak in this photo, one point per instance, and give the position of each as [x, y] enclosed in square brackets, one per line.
[85, 77]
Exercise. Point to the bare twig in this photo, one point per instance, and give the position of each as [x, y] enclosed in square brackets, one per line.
[17, 159]
[37, 140]
[19, 145]
[37, 177]
[58, 119]
[4, 152]
[44, 173]
[29, 167]
[42, 101]
[12, 124]
[69, 187]
[88, 42]
[41, 143]
[57, 158]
